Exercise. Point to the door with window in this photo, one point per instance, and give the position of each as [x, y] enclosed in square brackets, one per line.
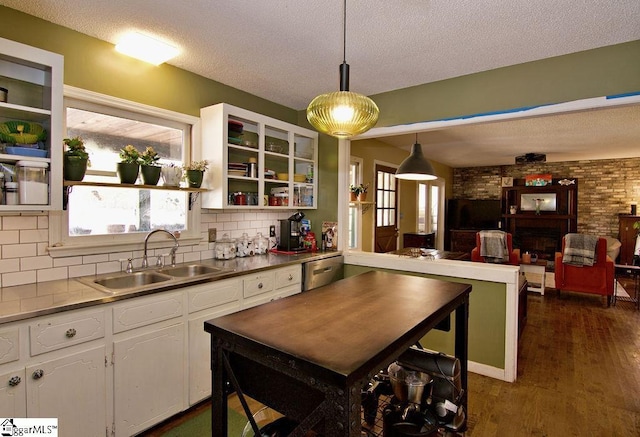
[386, 226]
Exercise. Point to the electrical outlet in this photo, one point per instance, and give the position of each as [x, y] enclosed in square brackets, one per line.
[212, 235]
[272, 231]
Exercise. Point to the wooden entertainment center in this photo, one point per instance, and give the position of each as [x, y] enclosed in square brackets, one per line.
[543, 215]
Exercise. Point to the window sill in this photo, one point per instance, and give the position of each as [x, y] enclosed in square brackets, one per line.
[81, 249]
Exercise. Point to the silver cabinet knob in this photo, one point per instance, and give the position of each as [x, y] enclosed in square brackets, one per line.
[37, 374]
[290, 277]
[14, 380]
[70, 333]
[260, 285]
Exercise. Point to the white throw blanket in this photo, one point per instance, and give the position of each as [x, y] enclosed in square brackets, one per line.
[493, 246]
[579, 249]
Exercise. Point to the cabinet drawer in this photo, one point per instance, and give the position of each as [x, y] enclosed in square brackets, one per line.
[9, 345]
[288, 276]
[258, 284]
[145, 311]
[213, 294]
[60, 332]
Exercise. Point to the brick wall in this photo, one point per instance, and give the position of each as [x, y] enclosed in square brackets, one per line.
[605, 187]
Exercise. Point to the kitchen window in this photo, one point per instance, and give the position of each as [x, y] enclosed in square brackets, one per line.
[430, 209]
[98, 215]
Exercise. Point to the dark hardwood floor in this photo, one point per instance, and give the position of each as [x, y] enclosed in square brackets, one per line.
[578, 374]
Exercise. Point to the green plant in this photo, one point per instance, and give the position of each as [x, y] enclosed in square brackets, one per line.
[197, 165]
[149, 157]
[75, 147]
[129, 154]
[358, 189]
[636, 226]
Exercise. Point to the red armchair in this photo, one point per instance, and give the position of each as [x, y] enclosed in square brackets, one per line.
[596, 279]
[514, 255]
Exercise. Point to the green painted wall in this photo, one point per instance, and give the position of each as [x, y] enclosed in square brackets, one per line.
[487, 314]
[593, 73]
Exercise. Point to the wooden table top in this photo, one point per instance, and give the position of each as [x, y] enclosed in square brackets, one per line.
[345, 327]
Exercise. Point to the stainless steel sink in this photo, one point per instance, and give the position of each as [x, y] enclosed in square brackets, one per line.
[130, 281]
[119, 283]
[191, 270]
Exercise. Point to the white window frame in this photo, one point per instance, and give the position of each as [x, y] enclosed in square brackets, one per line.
[60, 244]
[439, 182]
[355, 209]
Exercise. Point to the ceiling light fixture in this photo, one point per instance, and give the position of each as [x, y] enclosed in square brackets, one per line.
[343, 114]
[416, 167]
[146, 48]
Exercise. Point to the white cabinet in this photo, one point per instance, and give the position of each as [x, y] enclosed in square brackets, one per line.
[123, 367]
[71, 388]
[269, 285]
[148, 362]
[284, 156]
[59, 361]
[13, 393]
[33, 78]
[207, 301]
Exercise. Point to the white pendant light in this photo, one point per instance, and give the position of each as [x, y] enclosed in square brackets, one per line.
[416, 167]
[343, 114]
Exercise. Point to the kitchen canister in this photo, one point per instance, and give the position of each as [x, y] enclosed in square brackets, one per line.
[244, 246]
[11, 193]
[260, 244]
[33, 179]
[225, 248]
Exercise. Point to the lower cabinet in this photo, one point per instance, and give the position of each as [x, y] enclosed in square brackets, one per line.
[118, 369]
[148, 376]
[71, 388]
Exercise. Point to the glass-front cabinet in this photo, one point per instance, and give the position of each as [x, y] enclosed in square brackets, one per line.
[30, 127]
[257, 161]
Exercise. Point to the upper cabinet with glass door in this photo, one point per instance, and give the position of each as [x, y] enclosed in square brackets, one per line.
[31, 122]
[257, 161]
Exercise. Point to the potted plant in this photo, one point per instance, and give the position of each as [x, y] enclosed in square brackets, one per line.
[76, 159]
[362, 195]
[195, 172]
[129, 165]
[149, 166]
[354, 191]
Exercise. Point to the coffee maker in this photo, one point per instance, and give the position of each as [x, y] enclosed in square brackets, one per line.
[290, 235]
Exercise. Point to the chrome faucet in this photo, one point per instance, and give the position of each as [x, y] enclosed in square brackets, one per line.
[145, 261]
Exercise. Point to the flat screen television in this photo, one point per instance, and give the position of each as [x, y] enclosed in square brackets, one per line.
[473, 214]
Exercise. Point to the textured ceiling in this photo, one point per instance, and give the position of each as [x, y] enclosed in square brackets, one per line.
[288, 51]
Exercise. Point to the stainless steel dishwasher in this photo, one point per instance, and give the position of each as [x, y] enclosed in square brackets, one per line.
[322, 272]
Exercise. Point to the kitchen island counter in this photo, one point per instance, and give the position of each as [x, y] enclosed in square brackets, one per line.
[23, 302]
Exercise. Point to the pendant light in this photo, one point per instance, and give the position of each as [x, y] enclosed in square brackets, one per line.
[343, 114]
[416, 167]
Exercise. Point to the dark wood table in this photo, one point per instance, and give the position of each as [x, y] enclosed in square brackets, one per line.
[308, 356]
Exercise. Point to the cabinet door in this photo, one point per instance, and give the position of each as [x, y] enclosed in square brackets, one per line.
[200, 355]
[73, 389]
[149, 378]
[13, 395]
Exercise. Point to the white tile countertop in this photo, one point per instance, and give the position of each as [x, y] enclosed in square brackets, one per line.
[26, 301]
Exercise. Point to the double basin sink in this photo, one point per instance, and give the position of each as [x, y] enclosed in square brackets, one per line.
[119, 283]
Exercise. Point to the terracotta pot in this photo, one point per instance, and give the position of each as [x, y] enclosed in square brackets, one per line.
[353, 196]
[362, 197]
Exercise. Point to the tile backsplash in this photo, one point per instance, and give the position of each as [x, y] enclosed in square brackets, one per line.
[24, 239]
